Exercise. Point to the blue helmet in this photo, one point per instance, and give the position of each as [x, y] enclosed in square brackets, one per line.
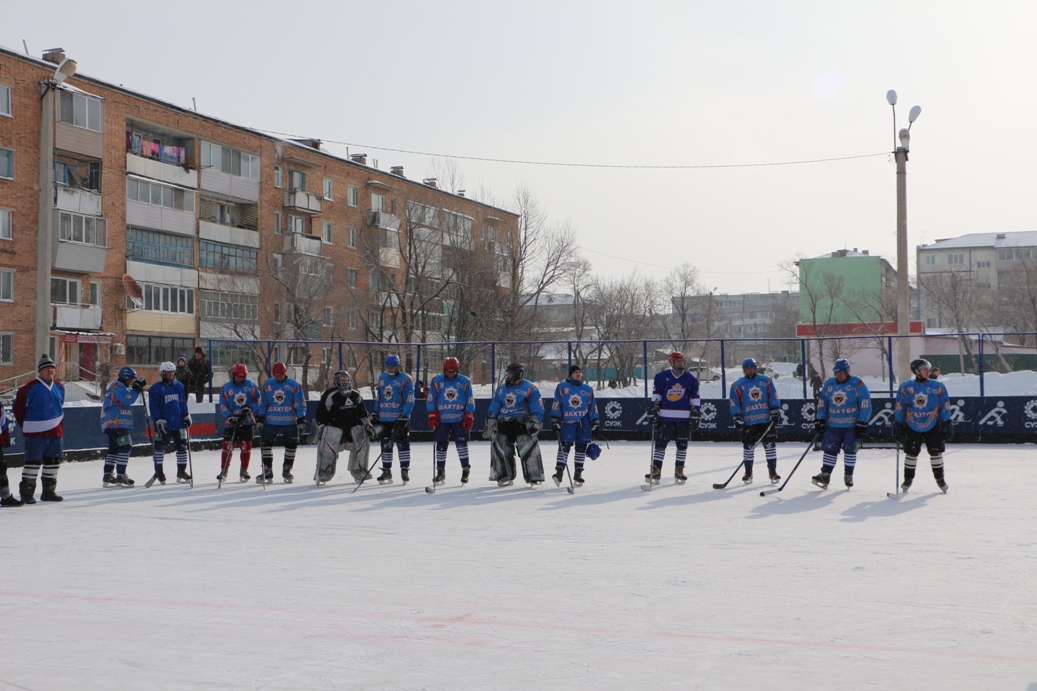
[749, 362]
[392, 361]
[127, 374]
[841, 365]
[593, 451]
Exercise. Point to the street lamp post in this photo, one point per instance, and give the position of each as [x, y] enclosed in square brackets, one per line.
[903, 290]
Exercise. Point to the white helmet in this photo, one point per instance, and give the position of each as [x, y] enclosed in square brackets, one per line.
[166, 367]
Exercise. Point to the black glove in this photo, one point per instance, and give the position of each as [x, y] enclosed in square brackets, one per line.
[820, 425]
[139, 383]
[556, 424]
[948, 430]
[739, 421]
[653, 416]
[301, 424]
[402, 426]
[187, 422]
[898, 431]
[860, 430]
[261, 419]
[232, 421]
[775, 416]
[695, 419]
[596, 430]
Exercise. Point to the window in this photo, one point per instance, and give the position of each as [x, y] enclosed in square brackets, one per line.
[5, 100]
[236, 307]
[171, 299]
[1009, 255]
[954, 259]
[152, 350]
[327, 233]
[351, 320]
[297, 224]
[159, 248]
[391, 239]
[377, 202]
[88, 230]
[351, 278]
[215, 255]
[64, 291]
[931, 322]
[277, 312]
[80, 110]
[230, 161]
[328, 316]
[982, 265]
[353, 196]
[7, 164]
[7, 286]
[160, 195]
[7, 349]
[351, 240]
[95, 294]
[277, 223]
[277, 177]
[329, 189]
[296, 180]
[6, 224]
[930, 260]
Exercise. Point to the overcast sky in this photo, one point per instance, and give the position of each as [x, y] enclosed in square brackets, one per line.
[691, 83]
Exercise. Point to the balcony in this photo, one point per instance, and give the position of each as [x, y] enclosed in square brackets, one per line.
[383, 219]
[217, 232]
[307, 202]
[158, 170]
[76, 318]
[230, 186]
[302, 244]
[78, 200]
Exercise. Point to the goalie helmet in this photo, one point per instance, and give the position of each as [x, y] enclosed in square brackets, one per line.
[343, 380]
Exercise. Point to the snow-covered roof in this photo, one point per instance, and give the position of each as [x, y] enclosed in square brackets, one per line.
[1021, 238]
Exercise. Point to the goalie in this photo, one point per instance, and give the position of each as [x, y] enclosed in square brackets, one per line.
[515, 419]
[342, 424]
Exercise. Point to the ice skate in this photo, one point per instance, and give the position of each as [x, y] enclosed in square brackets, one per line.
[848, 479]
[678, 475]
[181, 476]
[222, 477]
[287, 476]
[578, 476]
[160, 476]
[942, 484]
[775, 478]
[464, 475]
[656, 476]
[557, 477]
[10, 500]
[505, 483]
[748, 477]
[108, 480]
[27, 489]
[905, 485]
[440, 478]
[49, 490]
[386, 477]
[822, 479]
[123, 480]
[405, 475]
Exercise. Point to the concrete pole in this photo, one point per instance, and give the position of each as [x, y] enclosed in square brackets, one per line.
[44, 239]
[903, 291]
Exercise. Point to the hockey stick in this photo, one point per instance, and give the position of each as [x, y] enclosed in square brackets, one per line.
[230, 454]
[805, 452]
[651, 465]
[190, 458]
[147, 426]
[367, 474]
[571, 489]
[717, 485]
[895, 496]
[431, 489]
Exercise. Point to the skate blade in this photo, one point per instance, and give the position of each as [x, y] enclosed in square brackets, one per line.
[818, 484]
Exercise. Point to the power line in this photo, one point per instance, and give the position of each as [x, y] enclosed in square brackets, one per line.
[564, 164]
[660, 266]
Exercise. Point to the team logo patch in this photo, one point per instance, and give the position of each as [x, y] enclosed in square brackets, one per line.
[921, 399]
[240, 398]
[279, 397]
[387, 393]
[676, 393]
[510, 400]
[450, 395]
[755, 394]
[575, 401]
[839, 398]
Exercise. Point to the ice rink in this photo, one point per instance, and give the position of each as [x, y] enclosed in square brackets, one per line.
[295, 587]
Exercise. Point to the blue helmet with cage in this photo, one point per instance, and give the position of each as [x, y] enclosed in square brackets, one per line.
[392, 361]
[749, 362]
[841, 365]
[127, 374]
[593, 451]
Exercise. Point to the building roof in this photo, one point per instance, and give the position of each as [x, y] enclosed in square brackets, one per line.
[1022, 238]
[839, 254]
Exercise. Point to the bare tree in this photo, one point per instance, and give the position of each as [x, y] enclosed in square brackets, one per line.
[626, 309]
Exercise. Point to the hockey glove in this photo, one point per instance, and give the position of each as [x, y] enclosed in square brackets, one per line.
[739, 421]
[369, 428]
[775, 416]
[695, 420]
[467, 422]
[161, 427]
[301, 424]
[948, 430]
[187, 422]
[261, 419]
[556, 424]
[5, 439]
[433, 419]
[139, 383]
[490, 429]
[820, 425]
[596, 430]
[232, 421]
[534, 425]
[402, 426]
[860, 430]
[898, 431]
[653, 416]
[771, 432]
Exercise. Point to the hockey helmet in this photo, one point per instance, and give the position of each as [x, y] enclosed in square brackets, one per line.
[515, 372]
[451, 365]
[127, 374]
[343, 380]
[841, 365]
[239, 370]
[392, 361]
[593, 451]
[749, 362]
[279, 370]
[676, 355]
[920, 364]
[166, 368]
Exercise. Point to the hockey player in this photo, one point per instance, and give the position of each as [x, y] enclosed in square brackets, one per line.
[240, 402]
[574, 417]
[117, 423]
[923, 414]
[674, 413]
[515, 419]
[756, 411]
[393, 404]
[6, 498]
[341, 423]
[451, 409]
[168, 402]
[38, 408]
[843, 411]
[284, 413]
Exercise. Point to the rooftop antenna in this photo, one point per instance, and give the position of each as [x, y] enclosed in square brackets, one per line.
[26, 46]
[195, 104]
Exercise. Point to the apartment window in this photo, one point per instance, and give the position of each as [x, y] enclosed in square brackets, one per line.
[7, 163]
[277, 177]
[64, 291]
[277, 312]
[328, 317]
[277, 223]
[6, 224]
[170, 299]
[159, 248]
[955, 259]
[236, 307]
[296, 180]
[152, 350]
[7, 349]
[95, 294]
[930, 260]
[329, 189]
[230, 161]
[391, 240]
[353, 196]
[297, 224]
[159, 195]
[7, 286]
[351, 278]
[88, 230]
[327, 233]
[351, 320]
[982, 265]
[931, 322]
[351, 239]
[377, 202]
[5, 100]
[215, 255]
[80, 110]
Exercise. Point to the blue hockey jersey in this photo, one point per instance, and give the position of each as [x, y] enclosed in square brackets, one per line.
[517, 401]
[394, 396]
[846, 404]
[922, 405]
[168, 402]
[754, 399]
[675, 395]
[39, 409]
[573, 402]
[234, 397]
[116, 412]
[451, 397]
[283, 403]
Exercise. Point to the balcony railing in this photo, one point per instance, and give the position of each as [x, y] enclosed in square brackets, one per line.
[78, 200]
[76, 317]
[302, 244]
[383, 219]
[299, 200]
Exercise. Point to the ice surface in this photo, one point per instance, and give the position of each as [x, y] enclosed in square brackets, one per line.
[295, 587]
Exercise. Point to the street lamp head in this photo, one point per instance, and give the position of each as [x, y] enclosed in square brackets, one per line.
[913, 115]
[905, 139]
[891, 97]
[65, 70]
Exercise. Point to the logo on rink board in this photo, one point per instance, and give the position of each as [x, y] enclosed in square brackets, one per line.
[996, 416]
[957, 415]
[709, 416]
[883, 418]
[808, 411]
[1030, 409]
[614, 410]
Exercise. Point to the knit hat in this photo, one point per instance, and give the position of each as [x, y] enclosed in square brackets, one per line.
[199, 350]
[573, 368]
[45, 361]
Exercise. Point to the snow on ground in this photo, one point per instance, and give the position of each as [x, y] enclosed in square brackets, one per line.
[295, 587]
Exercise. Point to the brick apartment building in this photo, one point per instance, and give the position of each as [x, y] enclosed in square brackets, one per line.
[229, 233]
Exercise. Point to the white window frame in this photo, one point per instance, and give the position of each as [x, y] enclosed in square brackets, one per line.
[10, 157]
[956, 259]
[6, 224]
[86, 102]
[351, 278]
[7, 277]
[277, 177]
[353, 196]
[351, 323]
[68, 282]
[329, 317]
[296, 224]
[163, 294]
[278, 224]
[326, 235]
[351, 238]
[930, 260]
[100, 229]
[329, 189]
[6, 100]
[212, 157]
[187, 202]
[377, 202]
[93, 295]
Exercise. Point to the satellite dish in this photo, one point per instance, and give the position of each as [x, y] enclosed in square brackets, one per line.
[891, 97]
[133, 291]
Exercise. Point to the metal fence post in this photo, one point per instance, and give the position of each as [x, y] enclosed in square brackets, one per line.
[493, 366]
[569, 345]
[889, 359]
[340, 356]
[806, 365]
[417, 363]
[982, 369]
[723, 368]
[644, 373]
